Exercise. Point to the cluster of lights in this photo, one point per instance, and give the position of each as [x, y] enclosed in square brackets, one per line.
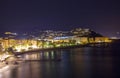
[26, 48]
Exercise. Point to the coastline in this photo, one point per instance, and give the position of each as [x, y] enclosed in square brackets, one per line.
[99, 45]
[48, 49]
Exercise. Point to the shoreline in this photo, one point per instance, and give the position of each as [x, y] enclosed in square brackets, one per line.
[47, 49]
[99, 45]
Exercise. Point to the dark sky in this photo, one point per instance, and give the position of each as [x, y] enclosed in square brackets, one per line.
[28, 15]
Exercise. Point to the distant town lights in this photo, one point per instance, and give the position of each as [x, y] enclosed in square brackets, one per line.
[11, 33]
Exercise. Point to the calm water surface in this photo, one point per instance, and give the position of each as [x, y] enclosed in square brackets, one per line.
[75, 63]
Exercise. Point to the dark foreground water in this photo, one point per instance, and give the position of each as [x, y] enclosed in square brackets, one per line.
[75, 63]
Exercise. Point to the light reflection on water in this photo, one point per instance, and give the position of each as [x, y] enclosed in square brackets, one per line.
[75, 63]
[52, 55]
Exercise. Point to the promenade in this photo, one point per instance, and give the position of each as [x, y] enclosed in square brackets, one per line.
[48, 49]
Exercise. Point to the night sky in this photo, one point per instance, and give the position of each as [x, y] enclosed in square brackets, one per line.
[28, 15]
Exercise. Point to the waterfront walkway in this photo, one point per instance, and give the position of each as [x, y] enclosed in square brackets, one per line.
[47, 49]
[62, 47]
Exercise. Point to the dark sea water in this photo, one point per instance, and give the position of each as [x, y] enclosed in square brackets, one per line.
[87, 62]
